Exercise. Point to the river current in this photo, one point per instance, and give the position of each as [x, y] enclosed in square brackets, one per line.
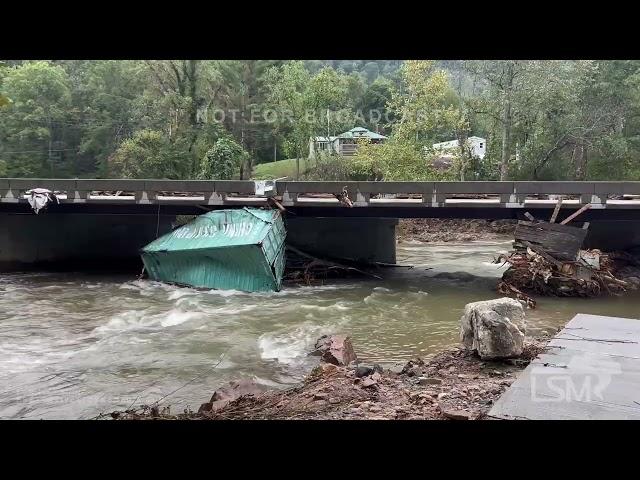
[74, 345]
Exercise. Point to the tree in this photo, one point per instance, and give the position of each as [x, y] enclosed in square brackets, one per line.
[33, 124]
[222, 161]
[374, 104]
[302, 102]
[534, 106]
[420, 104]
[106, 96]
[149, 154]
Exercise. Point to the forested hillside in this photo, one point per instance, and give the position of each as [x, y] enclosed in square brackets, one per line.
[219, 119]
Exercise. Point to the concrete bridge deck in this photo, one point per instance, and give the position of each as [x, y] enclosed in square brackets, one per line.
[591, 371]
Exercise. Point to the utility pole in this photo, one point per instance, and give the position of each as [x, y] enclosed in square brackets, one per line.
[50, 144]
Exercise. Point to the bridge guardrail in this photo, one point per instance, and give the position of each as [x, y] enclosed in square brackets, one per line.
[214, 191]
[217, 192]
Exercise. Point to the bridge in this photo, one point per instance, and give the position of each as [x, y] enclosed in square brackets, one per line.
[484, 199]
[96, 219]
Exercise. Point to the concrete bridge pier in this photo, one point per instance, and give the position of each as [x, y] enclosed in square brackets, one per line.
[363, 240]
[609, 235]
[76, 241]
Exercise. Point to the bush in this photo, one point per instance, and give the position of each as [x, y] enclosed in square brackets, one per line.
[222, 161]
[149, 154]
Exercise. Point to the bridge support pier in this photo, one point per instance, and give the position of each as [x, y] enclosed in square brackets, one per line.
[76, 241]
[364, 240]
[608, 235]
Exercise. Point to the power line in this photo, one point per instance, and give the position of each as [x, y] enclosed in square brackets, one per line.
[42, 150]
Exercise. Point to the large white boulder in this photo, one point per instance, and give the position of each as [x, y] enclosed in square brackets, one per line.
[494, 328]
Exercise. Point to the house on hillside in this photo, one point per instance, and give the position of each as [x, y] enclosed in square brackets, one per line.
[345, 144]
[477, 145]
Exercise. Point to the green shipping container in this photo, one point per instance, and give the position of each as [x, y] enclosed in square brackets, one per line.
[239, 249]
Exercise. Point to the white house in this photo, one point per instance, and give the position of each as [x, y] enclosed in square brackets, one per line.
[344, 144]
[477, 145]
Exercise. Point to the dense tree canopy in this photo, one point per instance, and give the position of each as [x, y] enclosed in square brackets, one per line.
[543, 119]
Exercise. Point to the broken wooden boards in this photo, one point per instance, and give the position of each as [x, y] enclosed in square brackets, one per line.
[561, 242]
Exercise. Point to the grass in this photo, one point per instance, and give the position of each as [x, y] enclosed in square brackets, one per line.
[279, 169]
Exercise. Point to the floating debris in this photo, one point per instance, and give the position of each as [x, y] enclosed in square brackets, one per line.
[239, 249]
[548, 260]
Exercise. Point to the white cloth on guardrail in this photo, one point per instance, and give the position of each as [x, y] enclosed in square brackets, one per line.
[40, 197]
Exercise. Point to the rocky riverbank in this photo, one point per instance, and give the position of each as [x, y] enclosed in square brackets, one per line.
[455, 384]
[453, 229]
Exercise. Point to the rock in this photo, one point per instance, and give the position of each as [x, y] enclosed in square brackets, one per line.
[368, 382]
[320, 396]
[335, 349]
[328, 368]
[375, 409]
[494, 328]
[334, 401]
[429, 381]
[230, 392]
[363, 371]
[412, 367]
[458, 415]
[396, 369]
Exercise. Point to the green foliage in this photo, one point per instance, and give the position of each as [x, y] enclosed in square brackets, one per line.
[421, 104]
[395, 160]
[222, 161]
[31, 125]
[542, 119]
[148, 154]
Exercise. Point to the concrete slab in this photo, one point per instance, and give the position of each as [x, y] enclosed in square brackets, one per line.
[591, 370]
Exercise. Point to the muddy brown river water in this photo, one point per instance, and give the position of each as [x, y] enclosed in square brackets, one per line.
[74, 345]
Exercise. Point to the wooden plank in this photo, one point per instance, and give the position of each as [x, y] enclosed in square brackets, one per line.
[575, 214]
[556, 210]
[590, 371]
[560, 241]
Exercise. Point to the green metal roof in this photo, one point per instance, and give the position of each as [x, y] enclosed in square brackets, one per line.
[360, 132]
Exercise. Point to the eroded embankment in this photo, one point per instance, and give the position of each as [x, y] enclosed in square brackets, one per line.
[453, 229]
[455, 384]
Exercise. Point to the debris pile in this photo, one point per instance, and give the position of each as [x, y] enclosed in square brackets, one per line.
[547, 259]
[306, 269]
[532, 272]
